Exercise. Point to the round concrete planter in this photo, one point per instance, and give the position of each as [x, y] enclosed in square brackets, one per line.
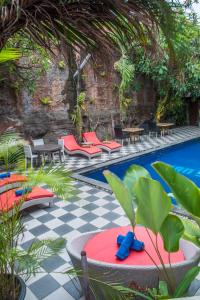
[143, 276]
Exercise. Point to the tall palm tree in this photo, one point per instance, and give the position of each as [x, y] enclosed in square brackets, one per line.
[84, 24]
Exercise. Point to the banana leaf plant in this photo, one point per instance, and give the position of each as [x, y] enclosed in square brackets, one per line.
[143, 199]
[14, 260]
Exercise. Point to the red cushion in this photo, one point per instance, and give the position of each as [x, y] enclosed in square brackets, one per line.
[103, 246]
[111, 145]
[71, 145]
[12, 179]
[8, 199]
[92, 137]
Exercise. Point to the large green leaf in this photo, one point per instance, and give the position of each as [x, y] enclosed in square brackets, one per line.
[172, 230]
[153, 203]
[132, 175]
[192, 232]
[185, 283]
[184, 190]
[122, 195]
[163, 289]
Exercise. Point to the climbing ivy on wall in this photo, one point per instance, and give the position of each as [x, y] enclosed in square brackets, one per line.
[34, 63]
[174, 80]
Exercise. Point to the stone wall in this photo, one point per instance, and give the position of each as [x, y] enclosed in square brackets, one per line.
[35, 119]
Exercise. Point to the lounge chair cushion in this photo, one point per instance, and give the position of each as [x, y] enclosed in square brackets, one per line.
[103, 247]
[13, 179]
[72, 146]
[9, 199]
[92, 137]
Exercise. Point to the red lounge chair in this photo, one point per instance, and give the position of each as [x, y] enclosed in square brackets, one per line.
[72, 147]
[109, 146]
[37, 196]
[11, 182]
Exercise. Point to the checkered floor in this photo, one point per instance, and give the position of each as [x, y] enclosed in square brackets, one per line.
[179, 135]
[91, 209]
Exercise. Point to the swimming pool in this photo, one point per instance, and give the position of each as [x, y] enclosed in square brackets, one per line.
[185, 158]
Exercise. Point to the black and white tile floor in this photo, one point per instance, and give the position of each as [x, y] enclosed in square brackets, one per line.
[90, 209]
[179, 135]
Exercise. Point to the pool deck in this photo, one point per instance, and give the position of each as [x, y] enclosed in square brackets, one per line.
[91, 209]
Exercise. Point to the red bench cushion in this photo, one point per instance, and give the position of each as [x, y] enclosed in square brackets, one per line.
[103, 246]
[9, 199]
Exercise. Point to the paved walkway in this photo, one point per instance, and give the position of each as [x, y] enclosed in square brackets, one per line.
[91, 209]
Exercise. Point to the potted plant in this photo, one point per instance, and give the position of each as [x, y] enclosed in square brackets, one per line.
[145, 202]
[17, 265]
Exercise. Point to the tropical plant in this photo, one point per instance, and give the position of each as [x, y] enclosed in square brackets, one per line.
[49, 22]
[187, 194]
[46, 101]
[142, 200]
[13, 260]
[25, 73]
[173, 82]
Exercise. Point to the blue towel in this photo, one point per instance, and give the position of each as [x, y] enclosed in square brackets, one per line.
[123, 251]
[23, 191]
[136, 244]
[4, 175]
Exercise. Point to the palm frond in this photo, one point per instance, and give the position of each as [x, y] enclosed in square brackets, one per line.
[82, 23]
[56, 178]
[11, 150]
[9, 54]
[29, 262]
[106, 289]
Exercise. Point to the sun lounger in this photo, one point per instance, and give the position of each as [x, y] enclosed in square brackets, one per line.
[109, 146]
[11, 182]
[72, 147]
[38, 195]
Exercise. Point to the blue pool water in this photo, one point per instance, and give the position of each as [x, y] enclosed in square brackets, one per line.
[185, 158]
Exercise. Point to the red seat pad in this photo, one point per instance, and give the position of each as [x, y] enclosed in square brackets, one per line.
[103, 247]
[9, 199]
[71, 145]
[111, 145]
[13, 179]
[92, 137]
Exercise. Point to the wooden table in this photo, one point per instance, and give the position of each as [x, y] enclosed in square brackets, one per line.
[48, 149]
[165, 128]
[134, 132]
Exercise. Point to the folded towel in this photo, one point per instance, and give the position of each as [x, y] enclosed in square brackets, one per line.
[23, 191]
[4, 175]
[123, 251]
[136, 244]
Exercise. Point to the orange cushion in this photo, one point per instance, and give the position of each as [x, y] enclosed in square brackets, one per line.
[71, 145]
[91, 137]
[9, 199]
[13, 179]
[111, 145]
[103, 247]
